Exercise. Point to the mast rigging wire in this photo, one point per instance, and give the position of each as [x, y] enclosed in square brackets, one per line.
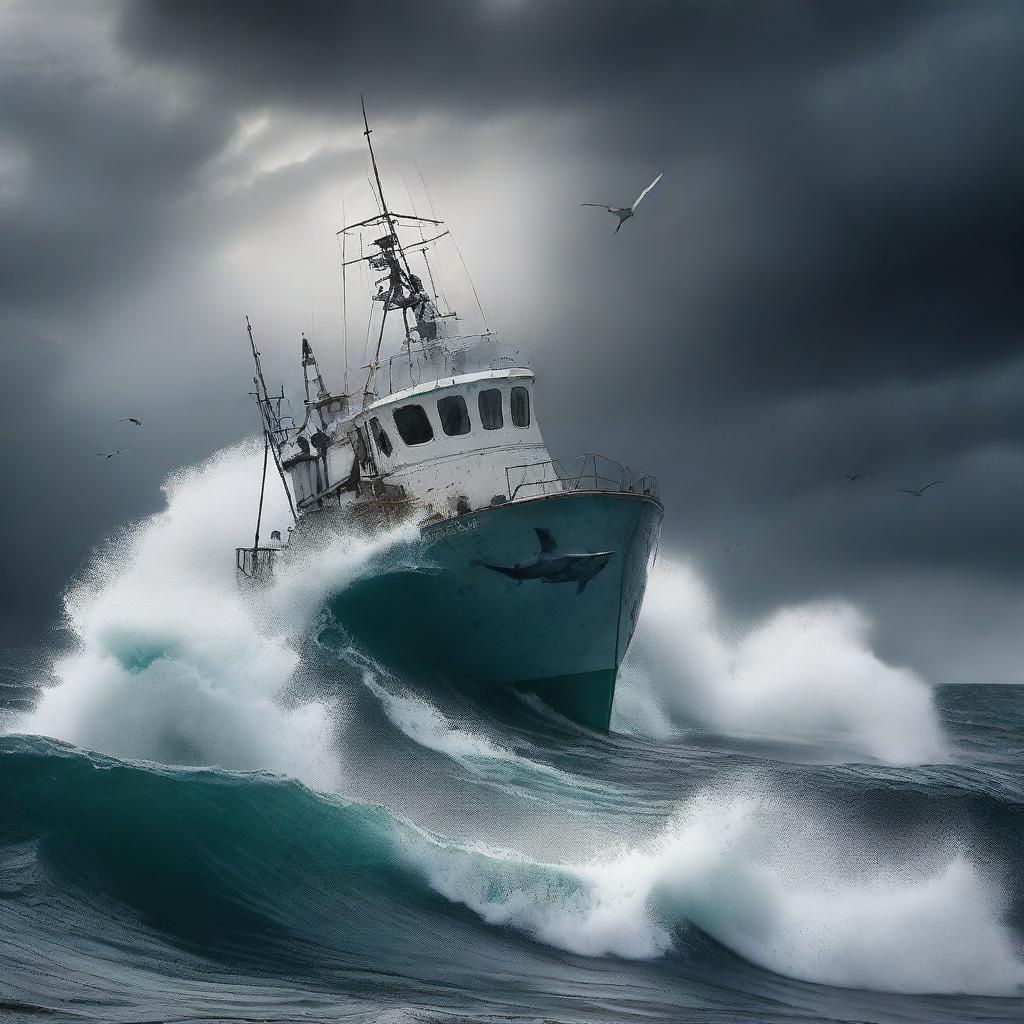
[263, 487]
[439, 290]
[344, 294]
[479, 306]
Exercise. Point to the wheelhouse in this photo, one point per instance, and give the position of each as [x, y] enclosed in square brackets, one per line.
[452, 440]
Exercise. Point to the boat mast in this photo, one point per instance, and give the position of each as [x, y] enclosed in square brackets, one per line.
[372, 368]
[400, 288]
[367, 131]
[387, 245]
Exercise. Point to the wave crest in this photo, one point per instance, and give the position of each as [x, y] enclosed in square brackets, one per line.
[806, 673]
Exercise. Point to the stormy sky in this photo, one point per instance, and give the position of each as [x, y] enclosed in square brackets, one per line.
[826, 281]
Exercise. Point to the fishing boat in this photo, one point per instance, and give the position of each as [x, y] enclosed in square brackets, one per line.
[530, 570]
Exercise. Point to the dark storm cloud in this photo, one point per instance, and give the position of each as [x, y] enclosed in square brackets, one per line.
[101, 166]
[825, 281]
[879, 141]
[488, 55]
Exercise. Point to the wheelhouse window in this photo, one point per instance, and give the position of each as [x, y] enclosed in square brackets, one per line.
[454, 415]
[520, 407]
[489, 404]
[381, 437]
[413, 424]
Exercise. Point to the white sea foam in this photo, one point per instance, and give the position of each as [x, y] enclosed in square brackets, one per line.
[427, 726]
[493, 763]
[770, 881]
[173, 662]
[805, 673]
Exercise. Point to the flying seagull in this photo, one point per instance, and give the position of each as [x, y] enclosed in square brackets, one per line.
[733, 547]
[918, 493]
[110, 455]
[854, 477]
[131, 419]
[625, 212]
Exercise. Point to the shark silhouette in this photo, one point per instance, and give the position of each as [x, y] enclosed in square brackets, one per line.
[554, 566]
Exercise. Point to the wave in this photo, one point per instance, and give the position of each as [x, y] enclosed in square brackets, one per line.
[496, 764]
[757, 875]
[806, 673]
[254, 858]
[269, 862]
[172, 662]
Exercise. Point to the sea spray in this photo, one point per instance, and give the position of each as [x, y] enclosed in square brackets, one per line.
[804, 673]
[772, 880]
[174, 662]
[486, 760]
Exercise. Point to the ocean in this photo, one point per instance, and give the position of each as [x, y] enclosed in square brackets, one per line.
[214, 807]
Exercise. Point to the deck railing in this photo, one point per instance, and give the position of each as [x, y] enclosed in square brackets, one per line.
[256, 563]
[579, 473]
[449, 357]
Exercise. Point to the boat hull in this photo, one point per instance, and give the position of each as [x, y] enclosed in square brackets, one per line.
[541, 594]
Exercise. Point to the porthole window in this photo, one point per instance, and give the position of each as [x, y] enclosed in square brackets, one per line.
[520, 407]
[454, 415]
[381, 437]
[413, 425]
[489, 404]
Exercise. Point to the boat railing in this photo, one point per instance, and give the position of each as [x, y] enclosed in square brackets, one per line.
[448, 357]
[256, 564]
[580, 473]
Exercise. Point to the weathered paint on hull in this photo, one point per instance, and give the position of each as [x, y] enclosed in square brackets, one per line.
[454, 611]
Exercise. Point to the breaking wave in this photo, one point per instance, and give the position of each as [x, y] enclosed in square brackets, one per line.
[172, 662]
[763, 878]
[268, 861]
[805, 673]
[863, 877]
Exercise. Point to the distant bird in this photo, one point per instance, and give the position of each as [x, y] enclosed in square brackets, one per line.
[625, 212]
[854, 477]
[733, 547]
[917, 494]
[110, 455]
[131, 419]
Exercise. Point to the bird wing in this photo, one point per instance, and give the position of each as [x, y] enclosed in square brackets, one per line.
[932, 484]
[903, 490]
[610, 209]
[648, 189]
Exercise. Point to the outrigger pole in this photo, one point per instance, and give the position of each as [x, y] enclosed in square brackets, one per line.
[263, 487]
[263, 400]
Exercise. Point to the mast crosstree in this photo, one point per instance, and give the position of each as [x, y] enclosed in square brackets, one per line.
[400, 288]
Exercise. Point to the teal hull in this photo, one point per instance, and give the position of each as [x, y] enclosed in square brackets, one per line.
[480, 601]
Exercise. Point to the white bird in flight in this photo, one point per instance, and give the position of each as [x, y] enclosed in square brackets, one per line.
[625, 212]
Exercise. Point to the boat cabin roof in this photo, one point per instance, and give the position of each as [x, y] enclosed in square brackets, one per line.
[447, 382]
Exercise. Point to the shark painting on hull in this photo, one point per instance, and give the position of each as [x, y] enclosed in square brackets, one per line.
[554, 566]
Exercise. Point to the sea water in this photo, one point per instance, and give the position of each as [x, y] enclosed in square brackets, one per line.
[214, 807]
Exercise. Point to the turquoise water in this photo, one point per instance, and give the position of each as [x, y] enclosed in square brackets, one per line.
[214, 807]
[135, 891]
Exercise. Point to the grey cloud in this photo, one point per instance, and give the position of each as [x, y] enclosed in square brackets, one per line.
[824, 282]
